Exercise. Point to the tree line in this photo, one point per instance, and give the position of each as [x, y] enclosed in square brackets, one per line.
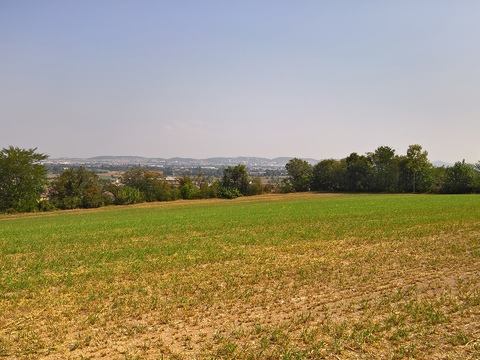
[382, 171]
[23, 180]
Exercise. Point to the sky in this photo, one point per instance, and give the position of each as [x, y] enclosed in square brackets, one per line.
[199, 79]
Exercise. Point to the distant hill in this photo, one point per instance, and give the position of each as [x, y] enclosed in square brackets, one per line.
[441, 163]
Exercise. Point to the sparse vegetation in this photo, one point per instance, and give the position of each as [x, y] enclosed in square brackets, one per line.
[298, 276]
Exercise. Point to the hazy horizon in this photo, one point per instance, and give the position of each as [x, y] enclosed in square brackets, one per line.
[256, 79]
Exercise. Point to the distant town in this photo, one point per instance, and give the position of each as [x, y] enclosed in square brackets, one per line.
[174, 166]
[256, 166]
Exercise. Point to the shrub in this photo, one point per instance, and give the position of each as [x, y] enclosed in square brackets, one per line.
[229, 193]
[45, 205]
[128, 196]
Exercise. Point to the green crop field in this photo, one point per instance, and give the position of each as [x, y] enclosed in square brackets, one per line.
[298, 276]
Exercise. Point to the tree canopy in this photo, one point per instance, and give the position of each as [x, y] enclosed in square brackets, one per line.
[300, 173]
[78, 188]
[151, 183]
[382, 171]
[237, 178]
[22, 179]
[460, 179]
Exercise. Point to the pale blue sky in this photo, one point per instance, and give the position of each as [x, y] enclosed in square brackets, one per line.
[315, 79]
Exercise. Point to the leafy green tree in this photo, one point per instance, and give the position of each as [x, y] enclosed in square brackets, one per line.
[284, 187]
[22, 179]
[328, 175]
[476, 181]
[384, 169]
[236, 177]
[459, 179]
[417, 161]
[213, 190]
[205, 191]
[72, 185]
[111, 188]
[358, 176]
[151, 183]
[300, 174]
[187, 188]
[416, 171]
[93, 198]
[255, 186]
[128, 195]
[438, 175]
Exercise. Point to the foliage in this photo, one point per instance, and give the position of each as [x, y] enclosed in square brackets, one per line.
[151, 183]
[438, 176]
[284, 187]
[359, 173]
[459, 179]
[212, 190]
[236, 177]
[187, 188]
[111, 188]
[204, 190]
[385, 172]
[378, 171]
[255, 187]
[229, 193]
[128, 195]
[22, 179]
[93, 198]
[300, 174]
[45, 206]
[75, 188]
[328, 175]
[269, 188]
[417, 167]
[422, 181]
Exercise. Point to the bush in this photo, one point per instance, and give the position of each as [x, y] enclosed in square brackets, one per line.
[128, 196]
[67, 203]
[229, 193]
[459, 179]
[174, 194]
[284, 187]
[188, 191]
[45, 206]
[92, 198]
[255, 187]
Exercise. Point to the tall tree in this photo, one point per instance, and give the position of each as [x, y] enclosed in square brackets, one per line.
[328, 175]
[255, 186]
[187, 187]
[300, 174]
[459, 179]
[359, 173]
[76, 188]
[384, 169]
[151, 183]
[22, 179]
[236, 177]
[418, 168]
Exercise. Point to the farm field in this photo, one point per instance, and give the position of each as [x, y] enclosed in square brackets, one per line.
[297, 276]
